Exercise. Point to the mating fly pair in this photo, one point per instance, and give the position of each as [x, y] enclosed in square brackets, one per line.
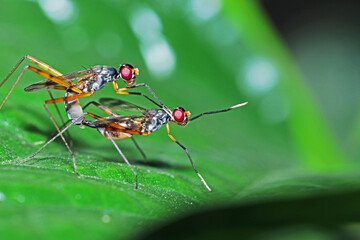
[115, 126]
[77, 85]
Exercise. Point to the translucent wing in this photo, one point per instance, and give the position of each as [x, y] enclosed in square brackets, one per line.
[83, 74]
[119, 105]
[113, 119]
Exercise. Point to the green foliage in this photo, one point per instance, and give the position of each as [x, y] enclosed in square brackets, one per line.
[277, 149]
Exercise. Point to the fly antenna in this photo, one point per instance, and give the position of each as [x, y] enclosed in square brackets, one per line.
[239, 105]
[224, 110]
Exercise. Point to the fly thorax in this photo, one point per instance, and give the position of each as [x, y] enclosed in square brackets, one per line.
[155, 118]
[103, 75]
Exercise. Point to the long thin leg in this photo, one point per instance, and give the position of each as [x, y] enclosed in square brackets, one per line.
[62, 137]
[72, 97]
[140, 150]
[54, 79]
[122, 91]
[187, 153]
[56, 73]
[109, 112]
[50, 141]
[61, 127]
[13, 70]
[150, 90]
[61, 118]
[112, 125]
[105, 109]
[37, 62]
[13, 86]
[48, 76]
[123, 156]
[41, 73]
[50, 137]
[44, 66]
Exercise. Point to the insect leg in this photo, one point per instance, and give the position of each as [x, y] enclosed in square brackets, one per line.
[109, 112]
[68, 98]
[140, 150]
[76, 96]
[112, 140]
[37, 62]
[54, 79]
[122, 91]
[150, 90]
[62, 137]
[12, 71]
[187, 153]
[61, 118]
[105, 109]
[41, 73]
[50, 141]
[13, 86]
[51, 136]
[43, 66]
[123, 156]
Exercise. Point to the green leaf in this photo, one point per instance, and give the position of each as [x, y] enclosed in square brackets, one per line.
[310, 215]
[276, 150]
[308, 128]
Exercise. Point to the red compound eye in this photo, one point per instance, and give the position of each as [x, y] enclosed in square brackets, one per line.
[179, 115]
[126, 73]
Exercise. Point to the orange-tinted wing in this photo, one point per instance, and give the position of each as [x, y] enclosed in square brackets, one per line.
[125, 124]
[83, 74]
[117, 119]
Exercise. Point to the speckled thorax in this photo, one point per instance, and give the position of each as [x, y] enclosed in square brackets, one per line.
[99, 77]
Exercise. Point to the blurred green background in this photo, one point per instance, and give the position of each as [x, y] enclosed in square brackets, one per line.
[283, 167]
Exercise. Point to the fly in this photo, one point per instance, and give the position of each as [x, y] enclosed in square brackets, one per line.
[77, 85]
[120, 127]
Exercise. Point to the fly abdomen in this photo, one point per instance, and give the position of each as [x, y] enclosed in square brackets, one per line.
[115, 134]
[73, 109]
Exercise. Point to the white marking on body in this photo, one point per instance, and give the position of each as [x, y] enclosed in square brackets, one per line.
[239, 105]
